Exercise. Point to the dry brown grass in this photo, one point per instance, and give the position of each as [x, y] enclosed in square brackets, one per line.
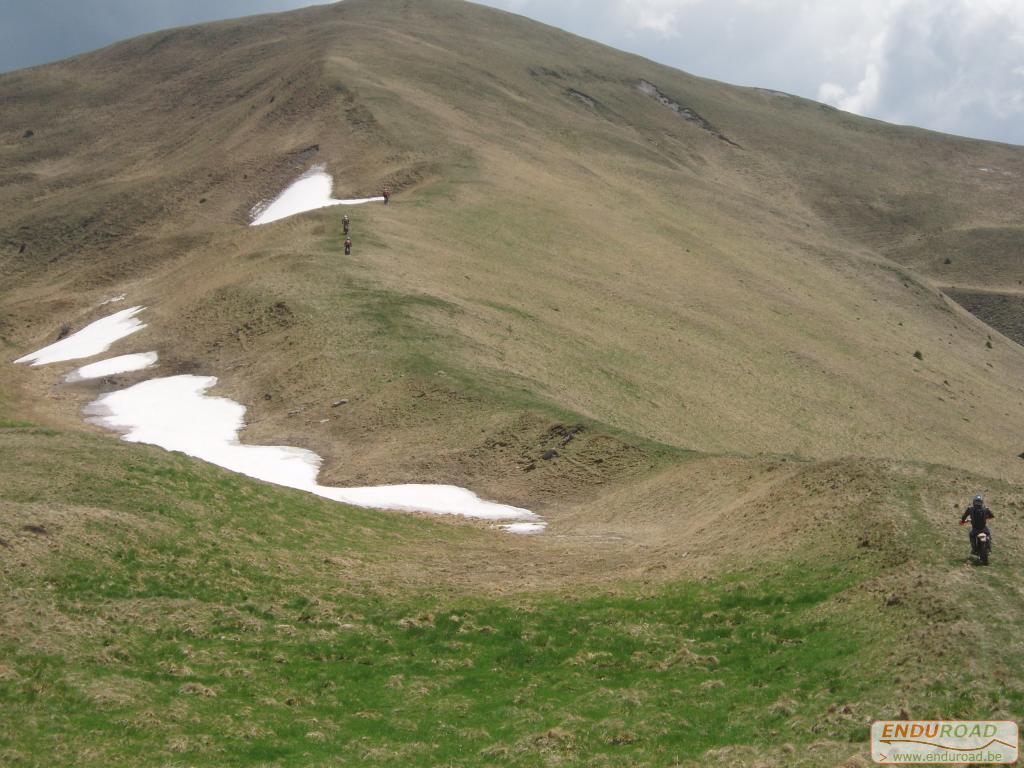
[617, 262]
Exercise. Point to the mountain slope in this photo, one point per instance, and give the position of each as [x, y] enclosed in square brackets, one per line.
[558, 230]
[676, 317]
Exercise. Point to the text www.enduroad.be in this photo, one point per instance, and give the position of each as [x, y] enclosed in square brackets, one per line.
[945, 757]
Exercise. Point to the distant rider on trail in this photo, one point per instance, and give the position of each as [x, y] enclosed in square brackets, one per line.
[386, 194]
[345, 223]
[979, 515]
[348, 246]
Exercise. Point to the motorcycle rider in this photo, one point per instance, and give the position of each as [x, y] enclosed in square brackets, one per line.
[345, 223]
[348, 246]
[979, 515]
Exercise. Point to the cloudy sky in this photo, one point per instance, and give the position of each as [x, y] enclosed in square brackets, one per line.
[951, 65]
[37, 31]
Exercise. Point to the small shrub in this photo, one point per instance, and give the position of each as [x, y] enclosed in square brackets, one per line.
[918, 355]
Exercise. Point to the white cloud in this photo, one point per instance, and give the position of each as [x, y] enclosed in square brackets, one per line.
[662, 22]
[861, 99]
[831, 93]
[658, 16]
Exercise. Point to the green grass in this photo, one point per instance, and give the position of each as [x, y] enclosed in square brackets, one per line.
[298, 677]
[607, 672]
[173, 613]
[6, 423]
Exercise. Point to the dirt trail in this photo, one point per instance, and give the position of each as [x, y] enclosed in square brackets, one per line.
[694, 519]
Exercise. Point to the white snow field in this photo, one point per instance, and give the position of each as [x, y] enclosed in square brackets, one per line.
[175, 413]
[312, 190]
[113, 365]
[92, 340]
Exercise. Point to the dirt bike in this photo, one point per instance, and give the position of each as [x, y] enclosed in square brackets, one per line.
[982, 547]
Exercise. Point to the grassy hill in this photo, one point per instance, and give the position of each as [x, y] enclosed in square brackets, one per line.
[159, 611]
[724, 288]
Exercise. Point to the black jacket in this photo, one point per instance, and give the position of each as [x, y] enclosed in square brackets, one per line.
[979, 517]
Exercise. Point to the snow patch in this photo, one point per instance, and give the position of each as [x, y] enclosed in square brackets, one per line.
[309, 192]
[114, 365]
[175, 413]
[113, 300]
[525, 528]
[92, 340]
